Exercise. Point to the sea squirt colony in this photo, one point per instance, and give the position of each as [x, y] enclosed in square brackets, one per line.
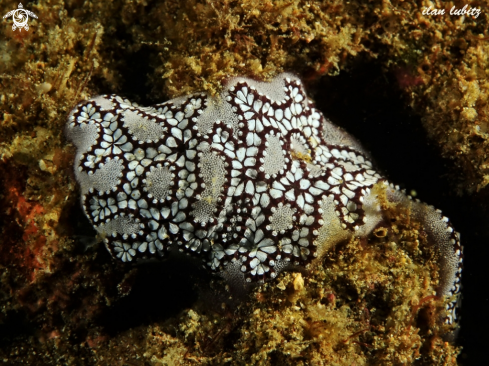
[252, 181]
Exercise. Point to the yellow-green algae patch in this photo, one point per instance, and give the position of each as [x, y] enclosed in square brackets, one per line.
[359, 305]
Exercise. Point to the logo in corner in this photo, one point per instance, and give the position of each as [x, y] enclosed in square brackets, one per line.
[20, 17]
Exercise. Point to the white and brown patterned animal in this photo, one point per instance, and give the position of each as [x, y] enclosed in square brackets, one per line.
[253, 181]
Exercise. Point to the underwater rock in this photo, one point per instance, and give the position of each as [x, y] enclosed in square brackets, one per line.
[252, 181]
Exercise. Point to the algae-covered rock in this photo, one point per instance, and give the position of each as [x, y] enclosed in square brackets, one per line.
[369, 301]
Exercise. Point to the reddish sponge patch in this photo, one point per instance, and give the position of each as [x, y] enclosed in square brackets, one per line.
[25, 254]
